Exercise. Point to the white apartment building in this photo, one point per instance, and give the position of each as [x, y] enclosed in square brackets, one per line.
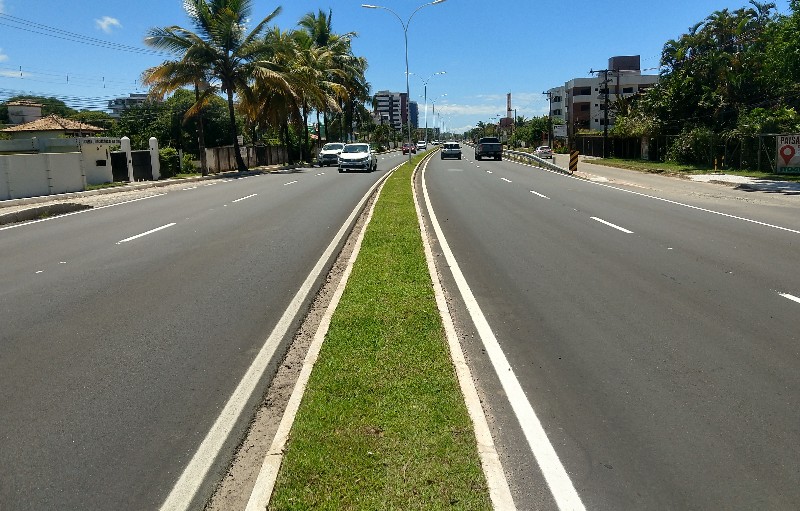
[119, 105]
[581, 102]
[393, 108]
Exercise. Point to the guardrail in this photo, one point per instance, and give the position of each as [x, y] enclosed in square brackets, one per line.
[530, 158]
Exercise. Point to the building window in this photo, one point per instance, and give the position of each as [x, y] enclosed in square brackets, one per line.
[627, 90]
[557, 99]
[557, 111]
[585, 107]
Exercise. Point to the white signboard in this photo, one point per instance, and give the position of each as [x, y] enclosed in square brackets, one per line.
[788, 160]
[560, 131]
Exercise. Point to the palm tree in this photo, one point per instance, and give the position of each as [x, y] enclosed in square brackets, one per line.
[222, 49]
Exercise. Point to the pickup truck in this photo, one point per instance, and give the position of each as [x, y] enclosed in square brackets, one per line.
[489, 147]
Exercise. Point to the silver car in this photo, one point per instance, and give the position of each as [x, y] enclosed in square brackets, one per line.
[451, 150]
[357, 157]
[543, 151]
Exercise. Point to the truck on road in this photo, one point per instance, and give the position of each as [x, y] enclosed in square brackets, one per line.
[489, 147]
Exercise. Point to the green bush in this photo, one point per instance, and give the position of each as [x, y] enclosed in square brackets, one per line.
[170, 163]
[695, 146]
[188, 164]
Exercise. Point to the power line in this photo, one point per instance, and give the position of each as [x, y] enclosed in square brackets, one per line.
[37, 28]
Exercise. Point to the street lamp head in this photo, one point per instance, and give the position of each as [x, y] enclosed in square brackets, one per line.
[368, 6]
[437, 2]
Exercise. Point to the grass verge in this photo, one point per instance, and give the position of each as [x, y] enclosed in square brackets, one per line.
[383, 423]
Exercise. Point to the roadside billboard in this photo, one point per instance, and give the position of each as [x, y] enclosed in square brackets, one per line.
[788, 159]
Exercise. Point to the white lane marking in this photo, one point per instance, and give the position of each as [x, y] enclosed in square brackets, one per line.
[265, 482]
[489, 172]
[185, 489]
[540, 195]
[506, 180]
[555, 474]
[151, 231]
[190, 188]
[40, 271]
[80, 212]
[612, 225]
[496, 480]
[289, 183]
[244, 198]
[697, 208]
[790, 297]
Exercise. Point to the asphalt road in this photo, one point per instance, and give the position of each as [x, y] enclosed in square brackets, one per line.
[126, 329]
[656, 339]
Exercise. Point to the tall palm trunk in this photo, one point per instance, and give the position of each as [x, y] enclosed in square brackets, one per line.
[304, 153]
[201, 137]
[236, 149]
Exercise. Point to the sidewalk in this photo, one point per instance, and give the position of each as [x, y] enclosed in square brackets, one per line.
[23, 210]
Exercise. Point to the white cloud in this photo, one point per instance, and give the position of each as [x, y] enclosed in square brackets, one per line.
[2, 7]
[107, 23]
[3, 56]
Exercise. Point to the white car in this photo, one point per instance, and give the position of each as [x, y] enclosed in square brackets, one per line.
[421, 145]
[329, 154]
[357, 157]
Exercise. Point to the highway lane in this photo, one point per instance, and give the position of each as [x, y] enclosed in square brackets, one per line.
[126, 329]
[657, 343]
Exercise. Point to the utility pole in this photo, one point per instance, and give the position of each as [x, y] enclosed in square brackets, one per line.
[605, 107]
[549, 118]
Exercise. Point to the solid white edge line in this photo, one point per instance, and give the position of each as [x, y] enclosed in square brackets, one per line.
[187, 486]
[289, 183]
[611, 225]
[669, 201]
[151, 231]
[265, 482]
[540, 195]
[496, 480]
[553, 470]
[243, 198]
[790, 297]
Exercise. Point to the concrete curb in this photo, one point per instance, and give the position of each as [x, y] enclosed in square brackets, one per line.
[141, 186]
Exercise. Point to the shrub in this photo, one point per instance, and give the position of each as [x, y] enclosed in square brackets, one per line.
[188, 164]
[170, 163]
[692, 147]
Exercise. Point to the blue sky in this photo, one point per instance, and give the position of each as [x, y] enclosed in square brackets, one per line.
[488, 48]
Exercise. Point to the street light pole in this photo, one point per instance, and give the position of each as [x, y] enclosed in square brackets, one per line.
[405, 37]
[425, 84]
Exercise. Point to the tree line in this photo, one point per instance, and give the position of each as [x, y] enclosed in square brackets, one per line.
[225, 80]
[732, 76]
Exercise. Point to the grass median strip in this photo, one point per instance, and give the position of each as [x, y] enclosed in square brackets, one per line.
[383, 423]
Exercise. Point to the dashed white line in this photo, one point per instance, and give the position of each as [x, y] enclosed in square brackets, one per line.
[506, 180]
[289, 183]
[489, 172]
[790, 297]
[540, 195]
[243, 198]
[612, 225]
[190, 188]
[151, 231]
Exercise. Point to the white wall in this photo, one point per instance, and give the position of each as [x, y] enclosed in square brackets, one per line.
[34, 175]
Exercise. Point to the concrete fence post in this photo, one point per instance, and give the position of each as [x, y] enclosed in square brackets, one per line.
[155, 162]
[125, 146]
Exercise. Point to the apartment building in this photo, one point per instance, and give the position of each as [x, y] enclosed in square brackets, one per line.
[393, 108]
[581, 102]
[119, 105]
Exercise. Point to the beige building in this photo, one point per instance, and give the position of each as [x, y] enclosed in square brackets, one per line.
[52, 126]
[23, 111]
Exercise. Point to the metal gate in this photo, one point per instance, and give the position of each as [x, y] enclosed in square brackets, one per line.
[142, 167]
